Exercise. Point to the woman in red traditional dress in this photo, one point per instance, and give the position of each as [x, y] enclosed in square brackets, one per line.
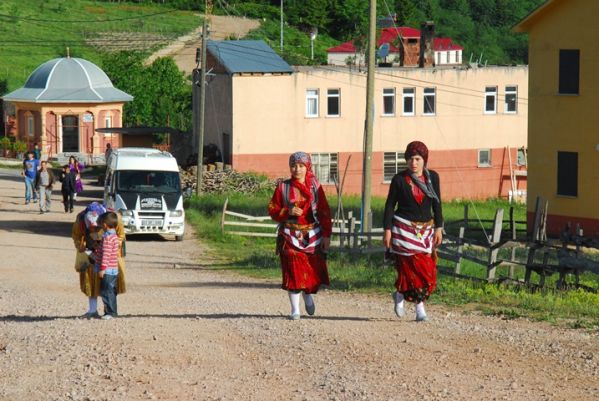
[300, 206]
[413, 229]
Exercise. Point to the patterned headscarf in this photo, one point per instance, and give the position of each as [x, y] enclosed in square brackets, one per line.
[301, 158]
[417, 148]
[92, 212]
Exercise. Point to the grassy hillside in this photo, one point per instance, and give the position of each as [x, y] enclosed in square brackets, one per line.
[35, 31]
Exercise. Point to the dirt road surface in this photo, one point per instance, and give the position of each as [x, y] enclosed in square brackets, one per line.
[186, 332]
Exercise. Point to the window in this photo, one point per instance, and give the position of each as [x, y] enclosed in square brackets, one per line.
[522, 157]
[325, 167]
[312, 103]
[389, 101]
[484, 158]
[30, 126]
[511, 99]
[393, 162]
[108, 124]
[408, 101]
[490, 100]
[569, 71]
[567, 173]
[429, 101]
[333, 104]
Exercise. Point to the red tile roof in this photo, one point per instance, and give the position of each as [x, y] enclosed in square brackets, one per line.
[389, 35]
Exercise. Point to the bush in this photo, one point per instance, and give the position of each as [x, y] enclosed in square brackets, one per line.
[19, 147]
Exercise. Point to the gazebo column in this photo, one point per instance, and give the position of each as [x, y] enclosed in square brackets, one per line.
[59, 133]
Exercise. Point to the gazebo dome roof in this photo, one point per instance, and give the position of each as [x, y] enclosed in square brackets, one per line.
[68, 80]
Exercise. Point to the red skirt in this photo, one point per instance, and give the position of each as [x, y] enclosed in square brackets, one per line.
[302, 271]
[416, 276]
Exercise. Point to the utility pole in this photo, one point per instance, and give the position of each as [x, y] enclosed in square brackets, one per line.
[281, 26]
[368, 126]
[198, 121]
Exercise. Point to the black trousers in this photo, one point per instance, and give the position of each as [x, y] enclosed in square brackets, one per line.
[68, 200]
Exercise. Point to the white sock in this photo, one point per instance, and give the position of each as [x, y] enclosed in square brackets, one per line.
[420, 309]
[93, 305]
[399, 299]
[294, 299]
[308, 300]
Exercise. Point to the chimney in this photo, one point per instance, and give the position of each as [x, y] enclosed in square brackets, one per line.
[427, 47]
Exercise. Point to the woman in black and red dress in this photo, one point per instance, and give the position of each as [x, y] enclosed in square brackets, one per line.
[413, 229]
[300, 206]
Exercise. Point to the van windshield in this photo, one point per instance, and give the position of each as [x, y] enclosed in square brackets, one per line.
[164, 182]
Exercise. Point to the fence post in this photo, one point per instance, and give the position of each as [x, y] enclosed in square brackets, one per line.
[466, 215]
[351, 228]
[222, 218]
[513, 230]
[496, 237]
[369, 230]
[457, 269]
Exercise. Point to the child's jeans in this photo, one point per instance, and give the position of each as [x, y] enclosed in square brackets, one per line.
[108, 293]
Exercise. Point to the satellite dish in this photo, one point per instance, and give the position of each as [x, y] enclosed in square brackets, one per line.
[383, 50]
[313, 33]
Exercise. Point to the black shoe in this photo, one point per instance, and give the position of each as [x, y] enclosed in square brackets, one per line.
[71, 210]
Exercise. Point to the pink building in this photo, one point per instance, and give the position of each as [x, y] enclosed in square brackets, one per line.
[474, 120]
[62, 103]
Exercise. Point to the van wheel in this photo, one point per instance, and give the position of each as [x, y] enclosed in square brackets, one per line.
[179, 237]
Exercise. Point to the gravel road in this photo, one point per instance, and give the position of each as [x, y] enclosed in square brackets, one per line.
[190, 333]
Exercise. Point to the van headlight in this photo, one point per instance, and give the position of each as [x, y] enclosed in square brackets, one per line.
[126, 213]
[176, 213]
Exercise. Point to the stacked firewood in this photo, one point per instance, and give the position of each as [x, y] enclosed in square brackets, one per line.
[220, 181]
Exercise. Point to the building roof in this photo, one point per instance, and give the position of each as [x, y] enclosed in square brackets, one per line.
[68, 80]
[247, 56]
[389, 35]
[529, 20]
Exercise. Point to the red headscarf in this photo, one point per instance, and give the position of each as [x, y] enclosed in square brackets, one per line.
[311, 181]
[417, 148]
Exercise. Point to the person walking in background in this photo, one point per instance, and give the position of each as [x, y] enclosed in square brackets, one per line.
[67, 177]
[107, 152]
[44, 182]
[413, 224]
[37, 153]
[76, 167]
[30, 167]
[107, 264]
[300, 206]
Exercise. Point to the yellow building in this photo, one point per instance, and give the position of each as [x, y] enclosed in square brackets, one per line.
[563, 140]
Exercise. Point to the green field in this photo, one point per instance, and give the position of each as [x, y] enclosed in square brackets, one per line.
[35, 31]
[256, 257]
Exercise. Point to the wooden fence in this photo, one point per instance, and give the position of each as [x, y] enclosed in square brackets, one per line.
[561, 258]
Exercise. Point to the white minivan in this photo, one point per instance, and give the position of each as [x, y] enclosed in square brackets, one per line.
[143, 185]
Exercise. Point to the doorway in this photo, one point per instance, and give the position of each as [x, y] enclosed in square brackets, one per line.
[70, 134]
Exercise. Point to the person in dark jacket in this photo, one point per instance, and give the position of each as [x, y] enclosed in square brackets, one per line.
[68, 178]
[413, 229]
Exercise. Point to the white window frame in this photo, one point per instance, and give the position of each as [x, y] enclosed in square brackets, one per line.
[334, 95]
[405, 95]
[389, 92]
[396, 160]
[490, 91]
[325, 166]
[312, 100]
[511, 90]
[108, 124]
[426, 95]
[30, 126]
[489, 162]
